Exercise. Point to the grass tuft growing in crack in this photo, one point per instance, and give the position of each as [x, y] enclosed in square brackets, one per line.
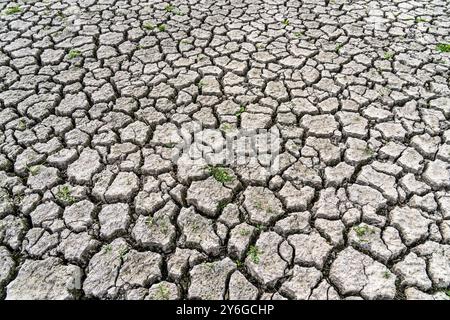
[169, 8]
[200, 84]
[210, 265]
[21, 125]
[388, 55]
[170, 145]
[17, 200]
[225, 126]
[220, 174]
[221, 205]
[162, 292]
[61, 14]
[362, 231]
[12, 10]
[162, 27]
[240, 111]
[161, 223]
[200, 57]
[443, 47]
[254, 254]
[178, 12]
[107, 248]
[64, 194]
[74, 54]
[34, 170]
[260, 228]
[123, 252]
[368, 151]
[195, 227]
[150, 221]
[419, 19]
[260, 206]
[244, 233]
[285, 21]
[148, 26]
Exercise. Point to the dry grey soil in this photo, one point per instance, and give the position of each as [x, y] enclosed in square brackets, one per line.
[94, 95]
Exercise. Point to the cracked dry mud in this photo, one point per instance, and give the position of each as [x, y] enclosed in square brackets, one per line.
[94, 93]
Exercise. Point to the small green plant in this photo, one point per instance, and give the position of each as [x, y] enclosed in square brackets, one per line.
[148, 26]
[240, 111]
[162, 27]
[443, 47]
[254, 254]
[285, 21]
[225, 126]
[64, 194]
[239, 264]
[123, 252]
[368, 151]
[33, 170]
[419, 19]
[244, 232]
[150, 221]
[21, 125]
[169, 8]
[162, 292]
[170, 145]
[338, 47]
[17, 200]
[200, 57]
[163, 225]
[220, 174]
[12, 10]
[447, 292]
[221, 205]
[211, 266]
[260, 228]
[74, 54]
[260, 206]
[201, 84]
[195, 227]
[363, 230]
[298, 34]
[386, 274]
[107, 248]
[178, 12]
[388, 55]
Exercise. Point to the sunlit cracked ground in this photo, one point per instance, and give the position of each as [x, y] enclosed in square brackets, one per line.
[94, 95]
